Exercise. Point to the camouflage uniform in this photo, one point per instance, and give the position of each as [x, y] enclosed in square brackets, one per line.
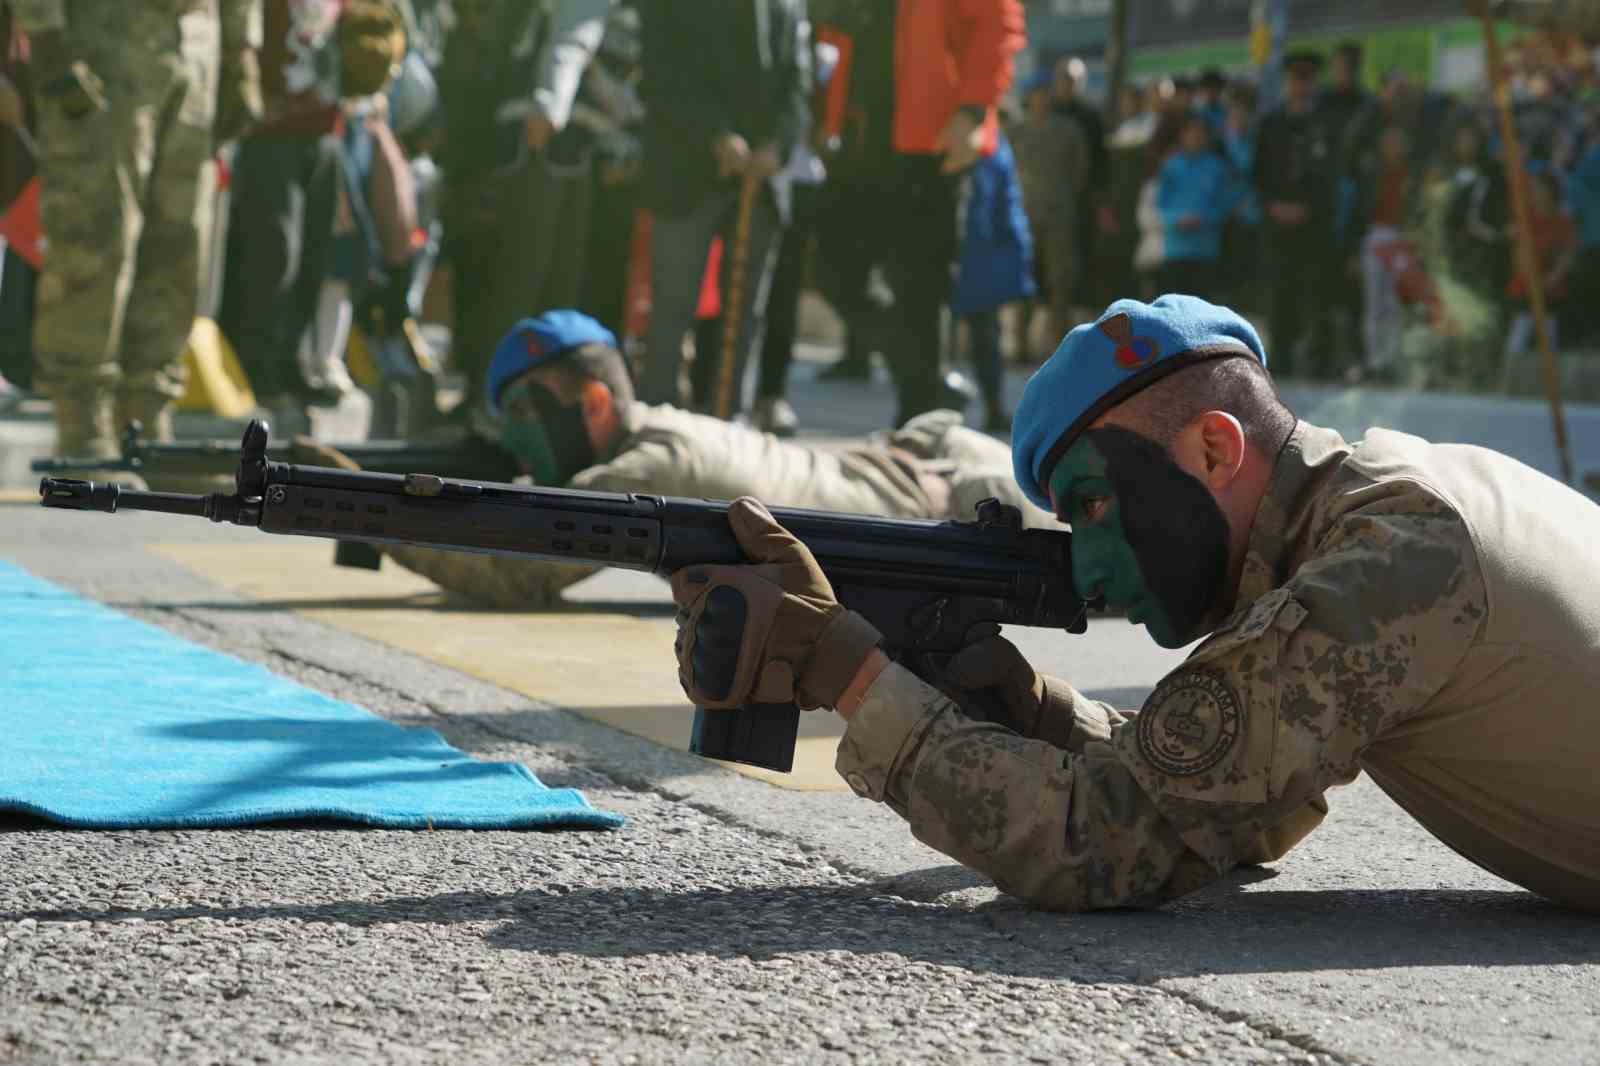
[122, 210]
[1427, 613]
[933, 468]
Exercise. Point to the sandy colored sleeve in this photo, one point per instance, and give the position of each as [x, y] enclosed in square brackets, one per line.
[1065, 831]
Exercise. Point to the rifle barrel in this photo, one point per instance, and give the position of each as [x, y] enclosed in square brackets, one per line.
[107, 496]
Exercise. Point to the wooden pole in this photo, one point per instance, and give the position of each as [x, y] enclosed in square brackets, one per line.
[1527, 257]
[733, 295]
[1116, 62]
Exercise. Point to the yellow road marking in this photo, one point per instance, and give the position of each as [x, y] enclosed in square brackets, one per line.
[608, 665]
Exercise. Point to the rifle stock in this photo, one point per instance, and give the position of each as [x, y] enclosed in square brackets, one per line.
[926, 585]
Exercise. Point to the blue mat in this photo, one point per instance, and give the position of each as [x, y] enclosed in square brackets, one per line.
[109, 723]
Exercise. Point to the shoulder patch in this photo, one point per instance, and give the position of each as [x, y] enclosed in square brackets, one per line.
[1190, 723]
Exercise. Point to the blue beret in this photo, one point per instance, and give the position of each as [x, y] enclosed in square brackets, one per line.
[1100, 364]
[533, 342]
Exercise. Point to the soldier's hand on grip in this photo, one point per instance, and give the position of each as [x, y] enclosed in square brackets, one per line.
[993, 664]
[771, 632]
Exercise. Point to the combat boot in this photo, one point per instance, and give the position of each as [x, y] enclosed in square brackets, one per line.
[84, 431]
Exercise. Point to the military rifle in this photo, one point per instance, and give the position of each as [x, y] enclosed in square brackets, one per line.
[464, 455]
[929, 587]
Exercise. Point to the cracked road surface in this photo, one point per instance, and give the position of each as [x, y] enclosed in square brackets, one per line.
[729, 921]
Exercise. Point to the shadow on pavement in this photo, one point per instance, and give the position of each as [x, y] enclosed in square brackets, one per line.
[1238, 933]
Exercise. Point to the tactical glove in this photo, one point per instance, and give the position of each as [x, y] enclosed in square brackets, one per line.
[993, 665]
[771, 632]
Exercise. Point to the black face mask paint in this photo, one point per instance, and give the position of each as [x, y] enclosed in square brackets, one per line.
[552, 440]
[1176, 530]
[569, 437]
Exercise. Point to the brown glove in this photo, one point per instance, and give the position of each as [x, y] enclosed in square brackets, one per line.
[994, 665]
[306, 451]
[766, 633]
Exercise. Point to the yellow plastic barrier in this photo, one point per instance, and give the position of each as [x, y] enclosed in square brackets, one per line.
[216, 381]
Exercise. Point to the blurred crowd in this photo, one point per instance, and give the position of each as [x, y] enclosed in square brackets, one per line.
[1370, 231]
[684, 172]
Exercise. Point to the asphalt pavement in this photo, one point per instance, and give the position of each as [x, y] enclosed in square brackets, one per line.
[729, 920]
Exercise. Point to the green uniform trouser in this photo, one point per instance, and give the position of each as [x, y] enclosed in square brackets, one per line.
[120, 198]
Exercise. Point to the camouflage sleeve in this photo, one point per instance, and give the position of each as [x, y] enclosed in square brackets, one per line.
[1227, 760]
[664, 467]
[40, 16]
[492, 580]
[1065, 831]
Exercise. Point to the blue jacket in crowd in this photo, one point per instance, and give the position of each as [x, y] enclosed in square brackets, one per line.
[996, 248]
[1239, 149]
[1196, 184]
[1583, 194]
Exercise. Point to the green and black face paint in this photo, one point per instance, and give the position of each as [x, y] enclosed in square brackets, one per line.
[549, 438]
[1147, 536]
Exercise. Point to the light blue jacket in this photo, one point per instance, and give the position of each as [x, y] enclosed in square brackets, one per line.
[1195, 184]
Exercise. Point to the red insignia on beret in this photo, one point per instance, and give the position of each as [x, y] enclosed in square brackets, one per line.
[530, 341]
[1131, 352]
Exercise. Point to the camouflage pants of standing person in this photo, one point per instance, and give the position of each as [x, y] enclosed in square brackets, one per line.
[122, 209]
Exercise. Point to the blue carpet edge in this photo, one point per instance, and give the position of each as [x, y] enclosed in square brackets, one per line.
[584, 817]
[575, 811]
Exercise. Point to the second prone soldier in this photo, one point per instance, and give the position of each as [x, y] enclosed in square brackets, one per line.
[568, 413]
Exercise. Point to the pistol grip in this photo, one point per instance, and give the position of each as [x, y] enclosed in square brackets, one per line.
[758, 734]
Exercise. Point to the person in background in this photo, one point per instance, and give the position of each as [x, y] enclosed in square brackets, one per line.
[121, 198]
[1555, 248]
[806, 174]
[20, 235]
[992, 270]
[1192, 194]
[283, 198]
[1241, 234]
[609, 106]
[1476, 216]
[1053, 165]
[1210, 102]
[919, 95]
[1583, 194]
[1349, 111]
[1385, 191]
[1094, 216]
[727, 86]
[518, 175]
[1295, 177]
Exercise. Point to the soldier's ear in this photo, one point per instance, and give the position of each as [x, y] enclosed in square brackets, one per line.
[1216, 443]
[595, 400]
[598, 406]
